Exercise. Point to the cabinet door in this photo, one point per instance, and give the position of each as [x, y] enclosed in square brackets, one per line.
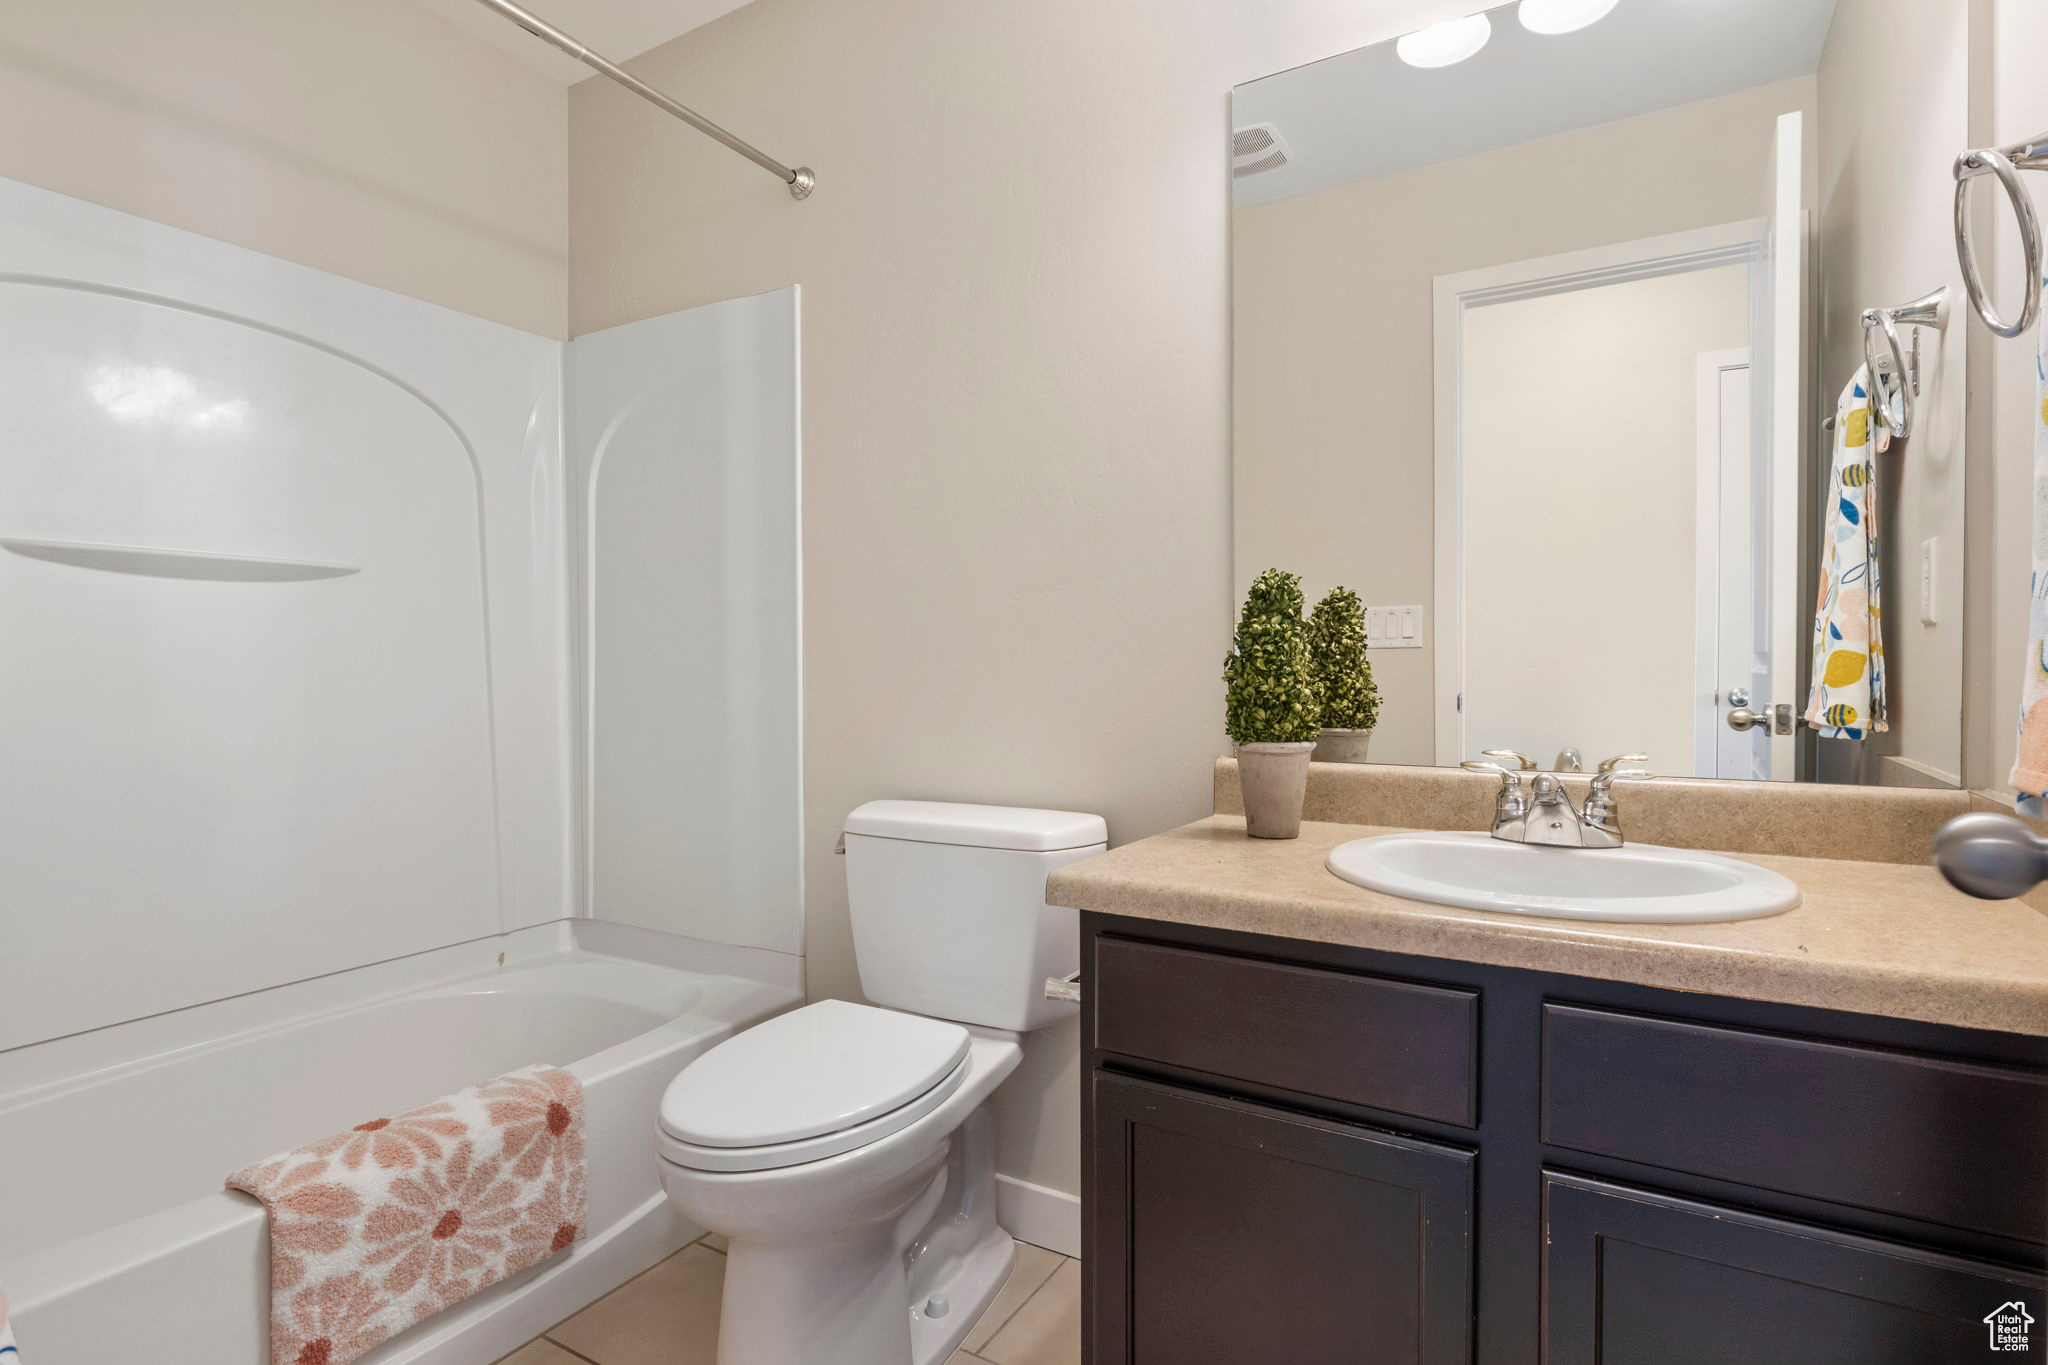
[1632, 1278]
[1225, 1233]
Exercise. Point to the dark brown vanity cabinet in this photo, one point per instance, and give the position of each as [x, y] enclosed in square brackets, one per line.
[1254, 1234]
[1307, 1154]
[1636, 1278]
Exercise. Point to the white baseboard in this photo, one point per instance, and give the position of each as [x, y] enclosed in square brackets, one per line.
[1043, 1217]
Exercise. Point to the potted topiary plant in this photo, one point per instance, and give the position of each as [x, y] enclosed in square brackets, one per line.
[1344, 685]
[1271, 709]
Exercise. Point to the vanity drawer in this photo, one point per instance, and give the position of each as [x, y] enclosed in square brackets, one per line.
[1955, 1143]
[1366, 1040]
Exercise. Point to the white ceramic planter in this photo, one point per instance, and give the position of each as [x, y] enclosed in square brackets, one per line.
[1342, 746]
[1274, 778]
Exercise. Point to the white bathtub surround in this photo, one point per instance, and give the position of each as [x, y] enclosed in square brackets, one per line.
[106, 1240]
[683, 471]
[407, 1214]
[223, 781]
[288, 712]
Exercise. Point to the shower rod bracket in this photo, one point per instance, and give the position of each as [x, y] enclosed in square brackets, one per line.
[800, 179]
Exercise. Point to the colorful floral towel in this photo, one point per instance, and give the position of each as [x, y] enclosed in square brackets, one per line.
[374, 1229]
[2030, 768]
[1847, 701]
[8, 1354]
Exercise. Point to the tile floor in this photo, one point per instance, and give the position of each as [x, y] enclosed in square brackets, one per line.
[669, 1316]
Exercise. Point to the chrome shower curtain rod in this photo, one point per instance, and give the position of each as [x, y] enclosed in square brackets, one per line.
[799, 179]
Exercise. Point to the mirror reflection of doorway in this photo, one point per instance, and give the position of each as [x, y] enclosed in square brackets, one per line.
[1615, 500]
[1577, 507]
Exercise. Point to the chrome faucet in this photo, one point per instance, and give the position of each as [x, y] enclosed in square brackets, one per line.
[1544, 814]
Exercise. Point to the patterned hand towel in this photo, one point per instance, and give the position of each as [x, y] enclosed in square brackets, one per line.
[2030, 768]
[1847, 701]
[374, 1229]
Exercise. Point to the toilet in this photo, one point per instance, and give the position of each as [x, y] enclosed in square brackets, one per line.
[847, 1151]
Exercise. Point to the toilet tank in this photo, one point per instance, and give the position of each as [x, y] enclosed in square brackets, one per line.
[949, 912]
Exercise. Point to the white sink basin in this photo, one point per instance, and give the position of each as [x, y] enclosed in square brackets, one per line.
[1634, 884]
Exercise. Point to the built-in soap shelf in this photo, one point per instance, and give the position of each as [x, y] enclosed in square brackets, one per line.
[164, 563]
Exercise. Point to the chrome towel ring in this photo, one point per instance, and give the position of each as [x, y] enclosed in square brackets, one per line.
[1894, 377]
[2006, 163]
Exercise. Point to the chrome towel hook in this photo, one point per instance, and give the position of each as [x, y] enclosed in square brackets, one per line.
[2006, 163]
[1895, 376]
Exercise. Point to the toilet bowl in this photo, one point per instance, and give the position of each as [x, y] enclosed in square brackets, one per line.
[846, 1151]
[881, 1253]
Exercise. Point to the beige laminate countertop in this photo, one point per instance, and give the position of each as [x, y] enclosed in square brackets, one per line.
[1874, 938]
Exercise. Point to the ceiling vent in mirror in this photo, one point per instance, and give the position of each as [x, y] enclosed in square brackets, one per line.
[1257, 148]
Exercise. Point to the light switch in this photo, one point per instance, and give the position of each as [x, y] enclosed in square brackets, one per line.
[1929, 555]
[1393, 628]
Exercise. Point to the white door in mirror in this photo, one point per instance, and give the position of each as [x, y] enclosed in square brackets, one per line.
[1635, 884]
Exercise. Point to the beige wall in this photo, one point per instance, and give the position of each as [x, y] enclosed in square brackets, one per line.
[1334, 393]
[2011, 102]
[1016, 388]
[1884, 237]
[362, 137]
[1580, 466]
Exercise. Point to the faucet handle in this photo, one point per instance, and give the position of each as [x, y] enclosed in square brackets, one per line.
[1509, 800]
[1608, 776]
[1522, 761]
[1609, 765]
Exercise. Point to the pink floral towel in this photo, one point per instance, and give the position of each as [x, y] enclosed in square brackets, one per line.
[374, 1229]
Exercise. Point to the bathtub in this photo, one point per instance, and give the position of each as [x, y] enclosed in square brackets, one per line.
[118, 1243]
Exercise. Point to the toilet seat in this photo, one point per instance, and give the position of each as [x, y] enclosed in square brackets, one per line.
[816, 1082]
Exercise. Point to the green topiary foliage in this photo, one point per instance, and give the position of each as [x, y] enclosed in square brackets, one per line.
[1271, 692]
[1336, 645]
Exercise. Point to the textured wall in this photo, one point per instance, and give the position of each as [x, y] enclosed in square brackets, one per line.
[1015, 388]
[1884, 236]
[362, 137]
[2010, 102]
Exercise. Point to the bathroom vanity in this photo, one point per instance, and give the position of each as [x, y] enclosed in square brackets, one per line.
[1324, 1124]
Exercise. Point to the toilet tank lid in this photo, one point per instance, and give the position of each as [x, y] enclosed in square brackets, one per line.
[949, 822]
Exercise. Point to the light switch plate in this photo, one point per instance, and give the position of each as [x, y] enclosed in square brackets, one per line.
[1393, 627]
[1930, 554]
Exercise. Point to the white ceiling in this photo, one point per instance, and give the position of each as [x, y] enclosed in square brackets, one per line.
[618, 29]
[1367, 113]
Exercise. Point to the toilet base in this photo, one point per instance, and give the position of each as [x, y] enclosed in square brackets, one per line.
[897, 1275]
[969, 1290]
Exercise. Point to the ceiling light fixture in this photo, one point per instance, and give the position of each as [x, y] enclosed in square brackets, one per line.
[1562, 16]
[1447, 43]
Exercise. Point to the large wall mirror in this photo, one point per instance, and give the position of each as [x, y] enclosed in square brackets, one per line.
[1541, 330]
